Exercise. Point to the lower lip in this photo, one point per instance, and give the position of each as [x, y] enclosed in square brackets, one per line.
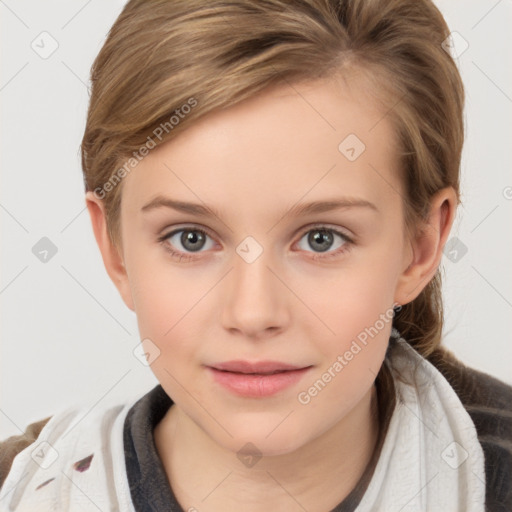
[257, 385]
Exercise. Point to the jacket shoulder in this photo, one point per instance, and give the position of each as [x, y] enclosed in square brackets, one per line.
[488, 401]
[13, 445]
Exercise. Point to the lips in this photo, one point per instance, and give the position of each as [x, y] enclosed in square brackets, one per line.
[258, 368]
[258, 379]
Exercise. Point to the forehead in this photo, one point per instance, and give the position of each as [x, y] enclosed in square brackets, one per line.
[287, 142]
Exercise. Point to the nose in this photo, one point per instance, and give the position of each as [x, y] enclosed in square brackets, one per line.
[255, 300]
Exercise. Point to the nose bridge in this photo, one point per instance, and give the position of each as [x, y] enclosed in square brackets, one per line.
[251, 275]
[255, 301]
[251, 269]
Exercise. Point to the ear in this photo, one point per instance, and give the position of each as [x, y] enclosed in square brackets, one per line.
[112, 257]
[427, 247]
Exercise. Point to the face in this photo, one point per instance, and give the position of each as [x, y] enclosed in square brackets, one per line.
[256, 277]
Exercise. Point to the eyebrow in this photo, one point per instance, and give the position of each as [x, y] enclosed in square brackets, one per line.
[298, 210]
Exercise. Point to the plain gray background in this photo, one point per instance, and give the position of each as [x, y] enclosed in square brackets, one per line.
[67, 338]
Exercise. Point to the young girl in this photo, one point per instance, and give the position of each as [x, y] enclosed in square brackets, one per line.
[310, 150]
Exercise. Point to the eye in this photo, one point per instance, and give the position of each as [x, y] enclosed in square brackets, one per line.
[191, 240]
[183, 243]
[323, 239]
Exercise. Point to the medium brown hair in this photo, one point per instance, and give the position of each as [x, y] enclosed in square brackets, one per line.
[160, 54]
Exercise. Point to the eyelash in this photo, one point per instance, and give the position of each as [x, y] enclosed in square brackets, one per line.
[316, 256]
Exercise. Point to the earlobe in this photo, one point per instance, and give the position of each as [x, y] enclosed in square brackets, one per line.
[427, 246]
[112, 259]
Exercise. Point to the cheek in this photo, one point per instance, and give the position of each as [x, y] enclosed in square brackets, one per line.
[356, 309]
[171, 305]
[353, 353]
[162, 292]
[167, 310]
[356, 296]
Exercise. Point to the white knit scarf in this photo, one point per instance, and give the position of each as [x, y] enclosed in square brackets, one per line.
[431, 459]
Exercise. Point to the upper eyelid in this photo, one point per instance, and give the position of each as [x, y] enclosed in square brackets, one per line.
[188, 227]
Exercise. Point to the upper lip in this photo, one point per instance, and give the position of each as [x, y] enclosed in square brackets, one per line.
[240, 366]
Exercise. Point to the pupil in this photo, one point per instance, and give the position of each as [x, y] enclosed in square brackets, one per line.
[324, 238]
[191, 237]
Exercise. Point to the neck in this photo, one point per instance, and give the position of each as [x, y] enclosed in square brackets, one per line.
[316, 477]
